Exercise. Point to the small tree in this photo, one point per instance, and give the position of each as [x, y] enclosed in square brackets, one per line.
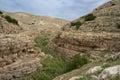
[89, 17]
[77, 24]
[77, 62]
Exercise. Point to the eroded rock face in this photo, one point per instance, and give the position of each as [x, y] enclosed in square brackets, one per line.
[111, 71]
[70, 43]
[19, 68]
[18, 56]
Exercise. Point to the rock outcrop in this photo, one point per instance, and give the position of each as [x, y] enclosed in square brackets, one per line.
[93, 70]
[72, 43]
[18, 56]
[111, 71]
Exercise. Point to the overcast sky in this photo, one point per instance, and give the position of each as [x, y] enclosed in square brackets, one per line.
[66, 9]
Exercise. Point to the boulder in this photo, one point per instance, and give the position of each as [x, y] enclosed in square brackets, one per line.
[94, 69]
[111, 71]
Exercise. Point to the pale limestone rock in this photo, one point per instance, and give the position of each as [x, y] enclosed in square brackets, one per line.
[111, 71]
[76, 77]
[94, 69]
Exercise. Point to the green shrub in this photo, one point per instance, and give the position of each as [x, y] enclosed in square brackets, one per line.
[77, 62]
[1, 12]
[77, 24]
[33, 23]
[11, 20]
[105, 65]
[118, 25]
[112, 4]
[89, 17]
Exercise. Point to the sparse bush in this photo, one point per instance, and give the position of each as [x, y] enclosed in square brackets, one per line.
[11, 20]
[77, 24]
[89, 17]
[1, 12]
[33, 23]
[112, 4]
[105, 65]
[77, 62]
[118, 25]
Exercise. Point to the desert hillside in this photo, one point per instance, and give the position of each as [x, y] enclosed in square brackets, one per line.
[18, 54]
[36, 47]
[91, 32]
